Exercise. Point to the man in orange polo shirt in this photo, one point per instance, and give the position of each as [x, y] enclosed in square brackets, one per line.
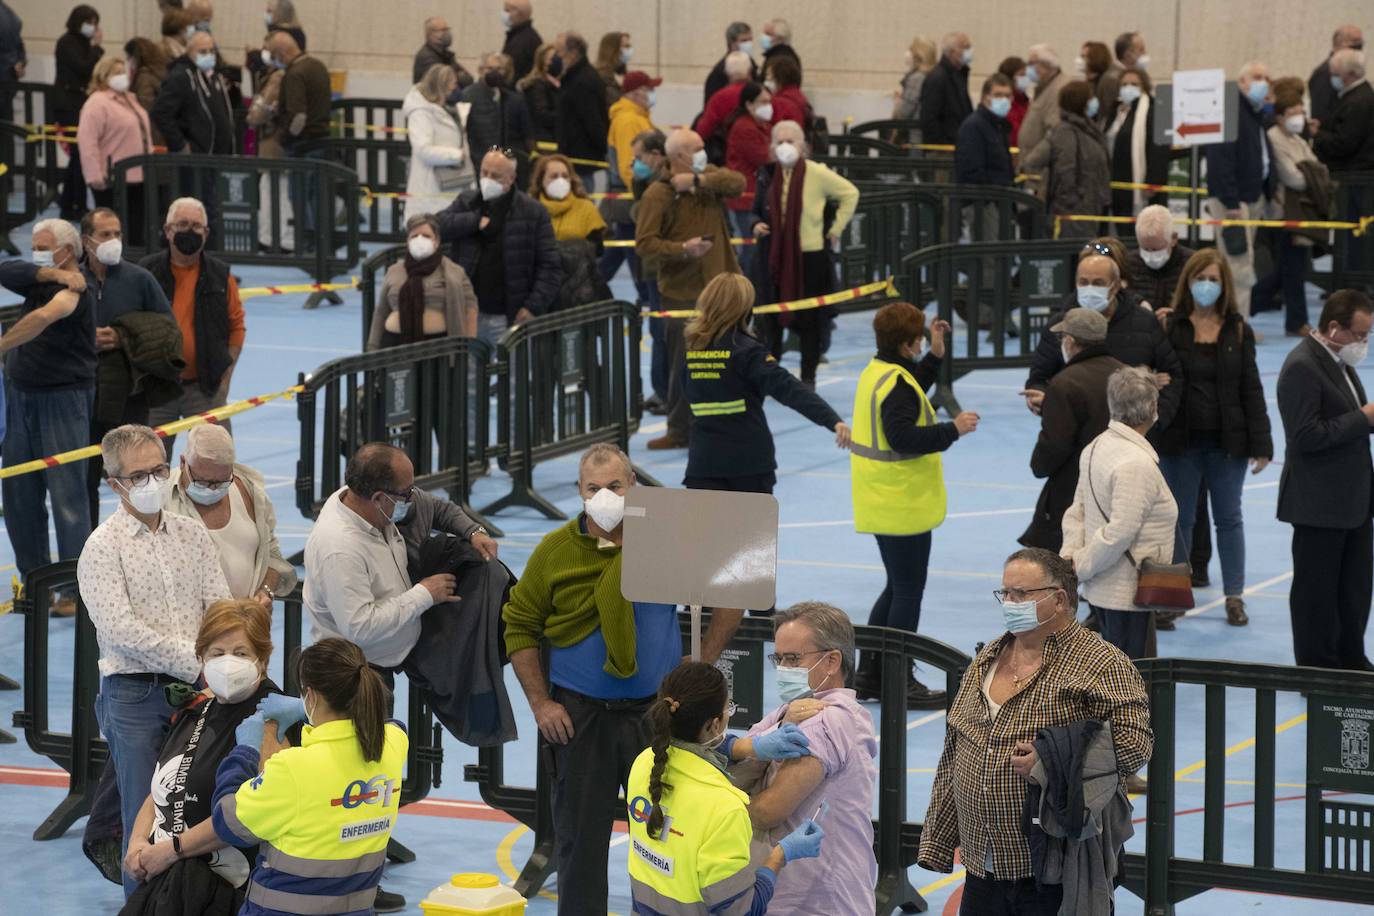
[205, 301]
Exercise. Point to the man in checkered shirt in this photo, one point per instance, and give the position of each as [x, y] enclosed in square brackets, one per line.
[1045, 671]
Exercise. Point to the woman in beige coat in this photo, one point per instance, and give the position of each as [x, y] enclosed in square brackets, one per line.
[1123, 512]
[425, 296]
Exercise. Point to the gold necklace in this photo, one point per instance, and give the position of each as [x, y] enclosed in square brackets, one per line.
[1016, 679]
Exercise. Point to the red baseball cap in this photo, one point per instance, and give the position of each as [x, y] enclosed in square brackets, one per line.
[638, 79]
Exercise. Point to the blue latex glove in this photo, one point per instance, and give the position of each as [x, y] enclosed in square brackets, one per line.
[250, 731]
[786, 743]
[802, 843]
[284, 710]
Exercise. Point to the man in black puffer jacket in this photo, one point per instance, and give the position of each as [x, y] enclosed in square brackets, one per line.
[1134, 336]
[504, 239]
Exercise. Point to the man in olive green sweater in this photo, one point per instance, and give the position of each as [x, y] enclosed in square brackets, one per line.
[607, 659]
[683, 233]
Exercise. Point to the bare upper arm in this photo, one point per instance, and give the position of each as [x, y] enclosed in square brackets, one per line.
[59, 306]
[795, 781]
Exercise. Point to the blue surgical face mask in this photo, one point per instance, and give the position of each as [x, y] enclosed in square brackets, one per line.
[1257, 91]
[1024, 83]
[42, 258]
[766, 42]
[1337, 83]
[1094, 106]
[1096, 298]
[651, 100]
[1000, 107]
[202, 495]
[641, 171]
[794, 683]
[699, 161]
[1129, 94]
[1032, 74]
[206, 62]
[1021, 616]
[745, 46]
[1205, 292]
[400, 508]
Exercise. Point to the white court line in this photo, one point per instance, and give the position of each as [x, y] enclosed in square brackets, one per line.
[1254, 589]
[925, 720]
[333, 351]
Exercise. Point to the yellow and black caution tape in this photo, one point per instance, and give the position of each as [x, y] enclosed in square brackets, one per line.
[252, 292]
[630, 243]
[887, 287]
[1158, 188]
[1359, 228]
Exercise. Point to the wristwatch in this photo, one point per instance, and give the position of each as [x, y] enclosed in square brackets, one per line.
[475, 530]
[176, 844]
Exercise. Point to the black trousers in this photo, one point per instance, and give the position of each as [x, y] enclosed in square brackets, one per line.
[679, 408]
[816, 281]
[1202, 533]
[588, 774]
[990, 897]
[755, 483]
[1329, 599]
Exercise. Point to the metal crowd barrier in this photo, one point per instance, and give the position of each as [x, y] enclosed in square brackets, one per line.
[1007, 288]
[360, 118]
[566, 381]
[1338, 832]
[31, 179]
[854, 145]
[937, 168]
[240, 211]
[895, 838]
[380, 163]
[369, 283]
[429, 399]
[1352, 261]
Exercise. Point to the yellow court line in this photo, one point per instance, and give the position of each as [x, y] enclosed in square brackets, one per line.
[944, 882]
[1249, 782]
[506, 862]
[1237, 748]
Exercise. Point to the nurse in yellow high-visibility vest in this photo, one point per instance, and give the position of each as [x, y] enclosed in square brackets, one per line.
[896, 474]
[320, 814]
[689, 826]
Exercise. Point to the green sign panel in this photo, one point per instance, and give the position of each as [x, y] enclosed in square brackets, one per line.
[742, 665]
[1338, 744]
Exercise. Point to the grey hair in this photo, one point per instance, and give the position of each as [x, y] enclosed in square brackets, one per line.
[951, 41]
[423, 219]
[1045, 54]
[186, 202]
[1154, 221]
[734, 30]
[1348, 62]
[212, 443]
[284, 12]
[63, 233]
[830, 627]
[1248, 71]
[738, 65]
[434, 82]
[780, 29]
[793, 132]
[1133, 396]
[118, 441]
[1057, 569]
[604, 453]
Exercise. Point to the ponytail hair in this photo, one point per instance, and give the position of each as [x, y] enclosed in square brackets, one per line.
[338, 671]
[691, 695]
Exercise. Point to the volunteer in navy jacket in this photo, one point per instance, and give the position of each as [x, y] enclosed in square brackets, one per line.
[321, 813]
[729, 373]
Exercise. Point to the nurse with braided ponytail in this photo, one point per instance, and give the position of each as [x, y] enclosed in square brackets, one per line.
[689, 826]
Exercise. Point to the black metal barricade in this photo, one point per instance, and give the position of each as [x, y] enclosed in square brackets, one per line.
[1007, 288]
[934, 168]
[242, 214]
[360, 118]
[566, 381]
[380, 163]
[1352, 262]
[429, 399]
[31, 179]
[854, 145]
[1338, 832]
[895, 838]
[369, 277]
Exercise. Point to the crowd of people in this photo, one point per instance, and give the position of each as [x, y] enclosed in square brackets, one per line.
[1145, 383]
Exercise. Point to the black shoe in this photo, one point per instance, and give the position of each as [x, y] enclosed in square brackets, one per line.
[919, 696]
[387, 902]
[867, 688]
[654, 405]
[1200, 579]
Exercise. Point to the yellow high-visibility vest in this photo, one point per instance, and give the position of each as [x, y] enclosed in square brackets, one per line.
[894, 493]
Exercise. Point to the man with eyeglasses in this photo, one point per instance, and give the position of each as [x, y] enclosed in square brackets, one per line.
[205, 301]
[1327, 489]
[146, 577]
[1319, 87]
[1044, 671]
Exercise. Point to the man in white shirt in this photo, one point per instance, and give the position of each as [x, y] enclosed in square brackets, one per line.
[146, 578]
[356, 584]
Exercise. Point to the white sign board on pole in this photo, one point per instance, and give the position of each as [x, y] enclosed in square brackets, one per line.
[701, 548]
[1199, 107]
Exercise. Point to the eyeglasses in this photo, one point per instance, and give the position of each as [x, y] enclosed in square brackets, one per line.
[1098, 247]
[215, 485]
[186, 225]
[1019, 594]
[793, 659]
[503, 150]
[139, 478]
[405, 497]
[1358, 338]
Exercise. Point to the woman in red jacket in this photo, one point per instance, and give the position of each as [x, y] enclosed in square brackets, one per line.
[747, 144]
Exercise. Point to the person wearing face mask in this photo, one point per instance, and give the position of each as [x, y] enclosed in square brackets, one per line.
[690, 827]
[146, 577]
[324, 810]
[177, 26]
[1240, 177]
[1014, 69]
[438, 49]
[1136, 157]
[441, 161]
[497, 117]
[230, 500]
[205, 301]
[425, 296]
[583, 109]
[1130, 51]
[78, 50]
[1044, 671]
[194, 110]
[897, 476]
[920, 60]
[540, 89]
[748, 149]
[1103, 73]
[648, 149]
[1327, 484]
[147, 66]
[629, 119]
[1045, 77]
[723, 103]
[1073, 413]
[522, 41]
[174, 844]
[738, 37]
[1304, 192]
[682, 234]
[945, 100]
[982, 154]
[113, 126]
[1153, 267]
[607, 660]
[1345, 139]
[776, 44]
[782, 79]
[613, 53]
[1071, 164]
[1123, 513]
[1221, 423]
[558, 187]
[1320, 86]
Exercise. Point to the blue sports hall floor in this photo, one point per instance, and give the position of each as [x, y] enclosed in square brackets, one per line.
[991, 494]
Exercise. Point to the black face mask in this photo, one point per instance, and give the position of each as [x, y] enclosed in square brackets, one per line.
[188, 242]
[555, 68]
[494, 78]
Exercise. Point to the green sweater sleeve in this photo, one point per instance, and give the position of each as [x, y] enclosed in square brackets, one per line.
[531, 602]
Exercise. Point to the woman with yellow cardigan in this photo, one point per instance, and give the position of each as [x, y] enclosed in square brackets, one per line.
[556, 185]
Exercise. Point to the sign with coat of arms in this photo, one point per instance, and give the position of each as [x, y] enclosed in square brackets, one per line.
[1338, 745]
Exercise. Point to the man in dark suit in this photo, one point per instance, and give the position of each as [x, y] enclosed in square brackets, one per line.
[738, 37]
[1319, 87]
[583, 116]
[1327, 485]
[1345, 141]
[945, 102]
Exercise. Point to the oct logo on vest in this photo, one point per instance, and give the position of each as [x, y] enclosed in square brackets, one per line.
[376, 791]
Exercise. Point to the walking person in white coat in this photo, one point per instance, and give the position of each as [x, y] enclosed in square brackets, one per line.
[440, 162]
[1123, 512]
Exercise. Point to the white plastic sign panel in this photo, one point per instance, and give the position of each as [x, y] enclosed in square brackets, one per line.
[1199, 107]
[700, 547]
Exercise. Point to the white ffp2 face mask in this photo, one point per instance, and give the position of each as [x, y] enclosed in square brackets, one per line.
[148, 498]
[421, 247]
[491, 188]
[606, 508]
[232, 678]
[558, 188]
[109, 252]
[1155, 259]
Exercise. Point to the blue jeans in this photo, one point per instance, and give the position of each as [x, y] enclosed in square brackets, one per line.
[1129, 631]
[741, 223]
[906, 559]
[1225, 476]
[491, 327]
[305, 190]
[134, 717]
[41, 424]
[610, 262]
[658, 358]
[1289, 274]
